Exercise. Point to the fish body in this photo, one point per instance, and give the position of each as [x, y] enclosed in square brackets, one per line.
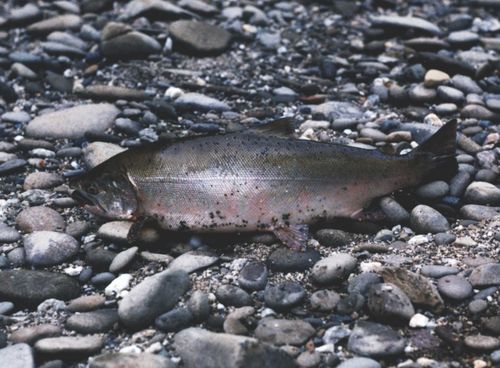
[247, 182]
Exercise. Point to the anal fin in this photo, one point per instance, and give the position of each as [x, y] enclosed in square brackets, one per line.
[293, 236]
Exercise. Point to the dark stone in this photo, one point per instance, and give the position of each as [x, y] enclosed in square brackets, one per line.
[287, 260]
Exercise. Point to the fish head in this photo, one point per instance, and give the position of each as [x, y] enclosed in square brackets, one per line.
[106, 193]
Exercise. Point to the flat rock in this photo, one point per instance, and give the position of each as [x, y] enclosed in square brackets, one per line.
[284, 295]
[17, 356]
[437, 271]
[388, 302]
[253, 276]
[425, 219]
[193, 261]
[485, 275]
[199, 38]
[31, 334]
[70, 345]
[284, 259]
[122, 259]
[42, 180]
[57, 23]
[284, 332]
[33, 287]
[478, 212]
[359, 362]
[155, 9]
[406, 22]
[86, 303]
[333, 268]
[93, 322]
[111, 93]
[152, 297]
[454, 287]
[375, 340]
[128, 360]
[49, 248]
[39, 218]
[73, 122]
[199, 102]
[232, 351]
[333, 110]
[120, 41]
[480, 192]
[482, 342]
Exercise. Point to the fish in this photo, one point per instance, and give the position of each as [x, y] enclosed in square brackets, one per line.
[255, 180]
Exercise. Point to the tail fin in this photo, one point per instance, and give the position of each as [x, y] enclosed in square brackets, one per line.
[441, 148]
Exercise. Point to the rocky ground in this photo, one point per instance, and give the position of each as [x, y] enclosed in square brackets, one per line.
[81, 80]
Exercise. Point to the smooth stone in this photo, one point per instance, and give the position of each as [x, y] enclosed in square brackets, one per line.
[93, 322]
[485, 275]
[17, 356]
[450, 94]
[359, 362]
[478, 212]
[395, 213]
[284, 332]
[465, 84]
[49, 248]
[446, 108]
[406, 22]
[459, 183]
[284, 296]
[70, 345]
[477, 112]
[418, 321]
[253, 276]
[102, 279]
[199, 102]
[42, 180]
[479, 192]
[333, 268]
[477, 306]
[86, 303]
[334, 110]
[437, 271]
[284, 259]
[30, 288]
[6, 308]
[375, 340]
[31, 334]
[17, 257]
[39, 218]
[8, 234]
[154, 8]
[73, 122]
[454, 287]
[152, 297]
[444, 238]
[77, 229]
[232, 351]
[333, 237]
[199, 305]
[122, 259]
[128, 360]
[174, 320]
[425, 219]
[231, 295]
[388, 302]
[422, 94]
[362, 283]
[120, 41]
[324, 300]
[492, 324]
[433, 190]
[434, 78]
[99, 258]
[115, 287]
[20, 117]
[98, 152]
[111, 93]
[57, 23]
[482, 342]
[193, 261]
[199, 38]
[12, 166]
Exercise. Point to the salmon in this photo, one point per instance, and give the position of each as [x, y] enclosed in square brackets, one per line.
[256, 180]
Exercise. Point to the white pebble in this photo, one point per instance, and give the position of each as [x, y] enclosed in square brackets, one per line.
[419, 321]
[119, 284]
[173, 92]
[370, 266]
[132, 349]
[418, 240]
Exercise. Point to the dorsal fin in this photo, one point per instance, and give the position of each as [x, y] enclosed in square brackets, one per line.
[282, 127]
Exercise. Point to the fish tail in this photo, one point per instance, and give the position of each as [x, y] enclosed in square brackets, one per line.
[440, 149]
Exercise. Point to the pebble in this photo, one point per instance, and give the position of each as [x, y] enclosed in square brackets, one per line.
[375, 340]
[8, 234]
[31, 334]
[434, 78]
[72, 345]
[454, 287]
[33, 287]
[406, 22]
[127, 360]
[192, 344]
[333, 268]
[485, 275]
[193, 261]
[123, 259]
[425, 219]
[450, 94]
[199, 102]
[359, 362]
[199, 38]
[73, 122]
[479, 212]
[437, 271]
[387, 302]
[362, 283]
[152, 297]
[12, 166]
[57, 23]
[394, 212]
[284, 296]
[42, 180]
[49, 248]
[433, 190]
[231, 295]
[287, 260]
[17, 356]
[333, 237]
[86, 303]
[253, 276]
[479, 192]
[117, 285]
[418, 321]
[444, 239]
[482, 342]
[39, 218]
[174, 320]
[465, 84]
[93, 322]
[324, 300]
[198, 305]
[284, 332]
[477, 306]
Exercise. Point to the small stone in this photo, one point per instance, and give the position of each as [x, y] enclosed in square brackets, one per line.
[122, 259]
[8, 234]
[253, 276]
[198, 305]
[418, 321]
[464, 241]
[31, 334]
[198, 102]
[309, 359]
[73, 345]
[437, 271]
[359, 362]
[387, 302]
[49, 248]
[93, 322]
[39, 218]
[284, 296]
[479, 192]
[126, 360]
[482, 342]
[86, 303]
[199, 38]
[433, 190]
[231, 295]
[362, 283]
[284, 332]
[421, 94]
[435, 77]
[425, 219]
[394, 212]
[333, 268]
[236, 321]
[42, 180]
[375, 340]
[454, 287]
[465, 84]
[333, 237]
[117, 285]
[485, 275]
[174, 320]
[450, 94]
[444, 238]
[324, 300]
[287, 260]
[193, 261]
[478, 212]
[17, 356]
[477, 306]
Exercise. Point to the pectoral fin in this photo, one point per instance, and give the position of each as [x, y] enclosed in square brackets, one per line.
[135, 229]
[293, 236]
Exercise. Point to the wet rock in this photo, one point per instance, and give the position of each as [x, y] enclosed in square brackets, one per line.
[253, 276]
[433, 190]
[93, 322]
[69, 345]
[421, 94]
[482, 342]
[8, 234]
[479, 192]
[324, 300]
[39, 219]
[12, 166]
[17, 356]
[128, 360]
[198, 305]
[333, 110]
[437, 271]
[42, 180]
[375, 340]
[477, 306]
[477, 112]
[111, 93]
[233, 351]
[174, 320]
[450, 94]
[332, 237]
[86, 303]
[231, 295]
[444, 238]
[393, 21]
[477, 212]
[193, 261]
[362, 283]
[198, 102]
[284, 296]
[425, 219]
[73, 122]
[485, 275]
[155, 295]
[287, 260]
[33, 287]
[435, 77]
[122, 259]
[333, 268]
[199, 38]
[465, 84]
[57, 23]
[48, 248]
[388, 302]
[284, 332]
[31, 334]
[394, 212]
[154, 9]
[120, 41]
[454, 287]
